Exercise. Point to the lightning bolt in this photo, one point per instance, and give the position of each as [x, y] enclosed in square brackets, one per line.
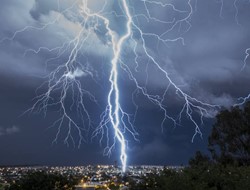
[114, 108]
[67, 91]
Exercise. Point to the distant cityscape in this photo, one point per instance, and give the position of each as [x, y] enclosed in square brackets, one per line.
[90, 177]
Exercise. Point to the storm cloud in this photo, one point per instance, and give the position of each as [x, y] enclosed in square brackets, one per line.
[207, 64]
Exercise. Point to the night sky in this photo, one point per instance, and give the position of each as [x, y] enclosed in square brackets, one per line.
[208, 66]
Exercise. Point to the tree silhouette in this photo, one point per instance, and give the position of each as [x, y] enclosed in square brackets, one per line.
[229, 142]
[43, 181]
[199, 160]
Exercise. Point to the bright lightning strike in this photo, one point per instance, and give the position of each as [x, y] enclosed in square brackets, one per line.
[66, 89]
[114, 109]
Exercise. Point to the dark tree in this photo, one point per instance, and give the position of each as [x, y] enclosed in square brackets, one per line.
[43, 181]
[229, 141]
[199, 160]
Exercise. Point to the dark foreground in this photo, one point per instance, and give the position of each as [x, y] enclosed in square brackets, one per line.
[200, 177]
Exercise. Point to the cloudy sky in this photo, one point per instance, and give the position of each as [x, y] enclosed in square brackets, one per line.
[201, 46]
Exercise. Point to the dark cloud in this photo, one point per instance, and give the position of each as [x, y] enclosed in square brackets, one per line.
[208, 67]
[42, 8]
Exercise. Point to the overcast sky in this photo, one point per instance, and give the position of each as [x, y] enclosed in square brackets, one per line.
[207, 65]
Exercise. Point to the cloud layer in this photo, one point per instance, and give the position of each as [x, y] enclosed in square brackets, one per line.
[208, 66]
